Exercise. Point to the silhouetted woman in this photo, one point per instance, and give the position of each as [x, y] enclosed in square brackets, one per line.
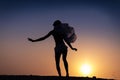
[60, 48]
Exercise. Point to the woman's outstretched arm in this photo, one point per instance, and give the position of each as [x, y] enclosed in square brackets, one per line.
[42, 38]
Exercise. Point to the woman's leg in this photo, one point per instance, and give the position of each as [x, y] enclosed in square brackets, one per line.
[57, 59]
[65, 62]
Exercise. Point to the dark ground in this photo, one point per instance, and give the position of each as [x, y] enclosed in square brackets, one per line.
[33, 77]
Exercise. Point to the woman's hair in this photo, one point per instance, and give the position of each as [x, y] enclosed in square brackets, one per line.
[57, 23]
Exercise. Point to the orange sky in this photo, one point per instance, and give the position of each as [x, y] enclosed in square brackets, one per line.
[23, 57]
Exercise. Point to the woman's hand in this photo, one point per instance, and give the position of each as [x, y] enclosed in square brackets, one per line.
[29, 39]
[74, 49]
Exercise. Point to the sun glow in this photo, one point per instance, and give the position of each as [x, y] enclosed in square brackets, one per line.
[85, 69]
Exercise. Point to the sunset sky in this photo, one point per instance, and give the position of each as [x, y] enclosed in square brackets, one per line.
[96, 23]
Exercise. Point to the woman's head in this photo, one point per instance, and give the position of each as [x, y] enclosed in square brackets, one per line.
[57, 23]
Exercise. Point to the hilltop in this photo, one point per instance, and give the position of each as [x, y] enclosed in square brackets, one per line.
[34, 77]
